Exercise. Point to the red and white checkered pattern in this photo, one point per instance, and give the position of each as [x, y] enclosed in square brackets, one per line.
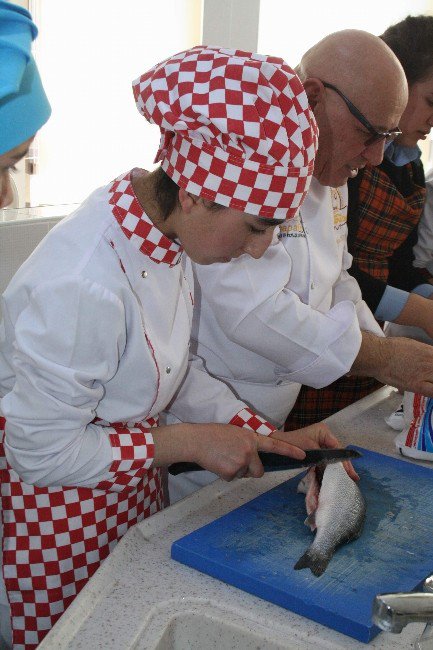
[55, 538]
[138, 227]
[250, 420]
[236, 128]
[133, 453]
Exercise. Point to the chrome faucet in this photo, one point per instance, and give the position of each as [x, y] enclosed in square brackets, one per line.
[392, 612]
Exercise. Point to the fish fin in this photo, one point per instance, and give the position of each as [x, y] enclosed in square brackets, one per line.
[310, 521]
[305, 482]
[302, 488]
[313, 561]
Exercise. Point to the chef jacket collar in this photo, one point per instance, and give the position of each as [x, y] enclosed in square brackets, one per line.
[137, 226]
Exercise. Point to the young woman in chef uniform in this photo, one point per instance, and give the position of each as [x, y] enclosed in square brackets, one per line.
[97, 325]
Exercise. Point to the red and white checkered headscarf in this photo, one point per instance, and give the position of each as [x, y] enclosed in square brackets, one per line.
[236, 128]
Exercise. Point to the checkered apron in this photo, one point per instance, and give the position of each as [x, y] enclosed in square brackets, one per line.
[54, 538]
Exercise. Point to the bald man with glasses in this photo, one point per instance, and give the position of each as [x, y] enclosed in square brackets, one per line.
[385, 209]
[375, 135]
[296, 316]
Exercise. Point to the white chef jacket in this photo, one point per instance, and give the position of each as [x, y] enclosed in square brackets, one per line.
[95, 343]
[292, 317]
[66, 371]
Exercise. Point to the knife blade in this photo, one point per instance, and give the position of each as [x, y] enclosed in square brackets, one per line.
[276, 463]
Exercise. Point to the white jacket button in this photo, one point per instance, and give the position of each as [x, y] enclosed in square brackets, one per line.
[144, 274]
[168, 370]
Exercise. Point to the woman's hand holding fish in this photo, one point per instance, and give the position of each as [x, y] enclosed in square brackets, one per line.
[316, 436]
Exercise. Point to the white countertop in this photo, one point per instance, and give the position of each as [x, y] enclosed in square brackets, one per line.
[140, 598]
[29, 214]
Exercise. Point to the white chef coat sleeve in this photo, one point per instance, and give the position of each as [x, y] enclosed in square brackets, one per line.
[202, 398]
[250, 301]
[347, 288]
[68, 342]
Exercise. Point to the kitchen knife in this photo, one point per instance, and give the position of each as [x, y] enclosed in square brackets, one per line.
[275, 462]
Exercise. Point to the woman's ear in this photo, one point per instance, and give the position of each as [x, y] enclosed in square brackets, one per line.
[315, 90]
[186, 200]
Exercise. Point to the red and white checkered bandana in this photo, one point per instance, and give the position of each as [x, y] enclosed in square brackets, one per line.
[236, 128]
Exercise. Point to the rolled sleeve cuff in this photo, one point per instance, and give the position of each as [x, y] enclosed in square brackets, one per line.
[391, 304]
[133, 454]
[425, 290]
[250, 420]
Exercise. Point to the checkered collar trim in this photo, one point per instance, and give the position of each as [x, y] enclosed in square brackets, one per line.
[137, 226]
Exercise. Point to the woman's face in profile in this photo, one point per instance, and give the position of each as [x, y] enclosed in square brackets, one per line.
[8, 161]
[219, 236]
[417, 119]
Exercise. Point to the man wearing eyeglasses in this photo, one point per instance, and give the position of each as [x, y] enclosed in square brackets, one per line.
[371, 135]
[296, 316]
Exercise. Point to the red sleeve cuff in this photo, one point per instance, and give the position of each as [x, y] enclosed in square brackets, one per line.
[250, 420]
[133, 454]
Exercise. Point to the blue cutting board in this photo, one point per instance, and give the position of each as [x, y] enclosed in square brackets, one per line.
[255, 547]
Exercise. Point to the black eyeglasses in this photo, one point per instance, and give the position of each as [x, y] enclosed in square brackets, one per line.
[376, 135]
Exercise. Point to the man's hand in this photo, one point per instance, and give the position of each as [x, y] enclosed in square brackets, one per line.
[316, 436]
[398, 361]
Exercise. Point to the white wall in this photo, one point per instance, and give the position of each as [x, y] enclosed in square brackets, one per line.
[88, 52]
[288, 29]
[231, 23]
[17, 240]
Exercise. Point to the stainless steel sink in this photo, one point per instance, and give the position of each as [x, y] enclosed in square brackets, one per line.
[194, 630]
[195, 624]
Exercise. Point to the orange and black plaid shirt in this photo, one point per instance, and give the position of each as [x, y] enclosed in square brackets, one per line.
[385, 206]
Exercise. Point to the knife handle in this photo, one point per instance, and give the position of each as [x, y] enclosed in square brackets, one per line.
[271, 462]
[180, 468]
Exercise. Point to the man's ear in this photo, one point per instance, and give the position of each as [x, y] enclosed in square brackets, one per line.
[186, 200]
[315, 90]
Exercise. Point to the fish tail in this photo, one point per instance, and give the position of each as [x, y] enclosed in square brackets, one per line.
[314, 561]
